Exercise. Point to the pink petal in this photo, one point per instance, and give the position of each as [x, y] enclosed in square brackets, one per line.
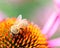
[54, 27]
[57, 3]
[54, 42]
[2, 16]
[49, 23]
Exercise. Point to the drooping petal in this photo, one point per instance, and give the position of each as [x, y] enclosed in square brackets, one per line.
[54, 42]
[54, 27]
[57, 3]
[49, 23]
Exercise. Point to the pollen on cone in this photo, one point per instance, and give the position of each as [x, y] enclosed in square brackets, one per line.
[28, 37]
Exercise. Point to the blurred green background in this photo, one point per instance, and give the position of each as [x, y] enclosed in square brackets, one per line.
[37, 11]
[24, 7]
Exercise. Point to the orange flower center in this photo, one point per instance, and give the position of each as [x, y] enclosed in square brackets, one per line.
[28, 37]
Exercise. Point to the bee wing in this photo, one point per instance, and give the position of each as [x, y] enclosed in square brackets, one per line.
[19, 18]
[24, 22]
[20, 21]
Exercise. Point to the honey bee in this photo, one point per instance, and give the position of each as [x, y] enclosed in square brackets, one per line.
[18, 24]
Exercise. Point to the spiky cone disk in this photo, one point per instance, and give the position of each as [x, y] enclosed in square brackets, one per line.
[28, 37]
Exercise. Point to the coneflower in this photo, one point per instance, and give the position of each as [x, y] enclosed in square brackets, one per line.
[20, 33]
[28, 36]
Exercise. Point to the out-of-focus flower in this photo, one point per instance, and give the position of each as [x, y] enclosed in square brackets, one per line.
[52, 24]
[28, 36]
[2, 16]
[57, 3]
[50, 28]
